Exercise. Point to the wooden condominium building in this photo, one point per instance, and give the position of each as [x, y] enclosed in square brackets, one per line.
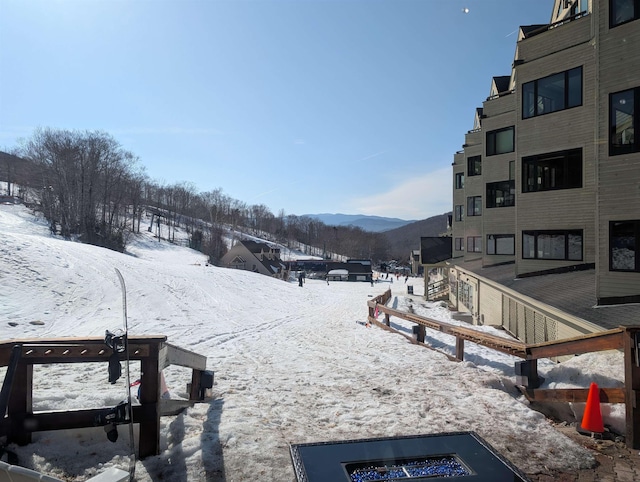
[548, 180]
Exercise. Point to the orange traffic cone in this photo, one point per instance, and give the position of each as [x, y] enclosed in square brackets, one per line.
[592, 418]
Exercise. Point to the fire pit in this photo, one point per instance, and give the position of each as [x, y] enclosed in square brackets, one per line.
[462, 456]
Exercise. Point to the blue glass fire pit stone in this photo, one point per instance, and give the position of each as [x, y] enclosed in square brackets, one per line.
[454, 456]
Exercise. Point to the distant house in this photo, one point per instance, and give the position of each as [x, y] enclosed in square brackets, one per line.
[257, 257]
[338, 275]
[352, 270]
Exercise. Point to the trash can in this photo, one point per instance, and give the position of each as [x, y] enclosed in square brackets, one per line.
[410, 289]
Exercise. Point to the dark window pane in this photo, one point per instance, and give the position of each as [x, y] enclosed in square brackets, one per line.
[555, 170]
[552, 93]
[459, 212]
[550, 96]
[500, 194]
[551, 246]
[474, 244]
[528, 246]
[474, 165]
[574, 97]
[622, 120]
[558, 245]
[474, 206]
[500, 141]
[505, 245]
[622, 11]
[501, 244]
[574, 247]
[528, 100]
[623, 246]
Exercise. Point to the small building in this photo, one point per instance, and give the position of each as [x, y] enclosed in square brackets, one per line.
[338, 275]
[352, 270]
[257, 257]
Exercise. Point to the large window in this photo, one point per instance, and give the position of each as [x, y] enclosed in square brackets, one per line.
[459, 244]
[553, 93]
[501, 244]
[555, 170]
[474, 244]
[623, 243]
[560, 245]
[459, 180]
[459, 212]
[623, 11]
[501, 194]
[474, 206]
[501, 141]
[623, 117]
[474, 165]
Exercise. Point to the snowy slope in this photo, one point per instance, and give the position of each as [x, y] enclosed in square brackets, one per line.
[291, 364]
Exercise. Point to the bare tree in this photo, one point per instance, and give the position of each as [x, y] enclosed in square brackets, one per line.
[83, 179]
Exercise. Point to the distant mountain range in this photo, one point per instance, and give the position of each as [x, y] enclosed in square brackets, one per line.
[405, 239]
[374, 224]
[403, 236]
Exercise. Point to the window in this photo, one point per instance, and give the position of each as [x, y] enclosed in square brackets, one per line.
[501, 244]
[459, 180]
[459, 211]
[501, 141]
[474, 244]
[623, 11]
[474, 165]
[552, 93]
[459, 244]
[555, 170]
[560, 245]
[501, 194]
[623, 242]
[623, 113]
[474, 206]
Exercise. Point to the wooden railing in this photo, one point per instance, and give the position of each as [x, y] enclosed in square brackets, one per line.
[626, 339]
[152, 352]
[437, 289]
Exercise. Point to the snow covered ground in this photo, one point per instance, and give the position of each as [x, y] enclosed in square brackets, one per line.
[292, 365]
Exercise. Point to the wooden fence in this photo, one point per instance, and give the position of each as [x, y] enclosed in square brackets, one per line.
[154, 354]
[624, 338]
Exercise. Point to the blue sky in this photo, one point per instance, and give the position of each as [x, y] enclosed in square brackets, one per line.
[306, 106]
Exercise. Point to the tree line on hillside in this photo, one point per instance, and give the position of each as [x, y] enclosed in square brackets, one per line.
[89, 187]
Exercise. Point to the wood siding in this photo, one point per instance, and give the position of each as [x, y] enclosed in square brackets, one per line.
[529, 320]
[618, 176]
[557, 131]
[610, 191]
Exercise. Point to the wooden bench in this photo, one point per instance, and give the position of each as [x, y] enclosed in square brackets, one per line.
[153, 353]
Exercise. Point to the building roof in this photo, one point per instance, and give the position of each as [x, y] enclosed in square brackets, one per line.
[528, 29]
[573, 293]
[256, 247]
[502, 83]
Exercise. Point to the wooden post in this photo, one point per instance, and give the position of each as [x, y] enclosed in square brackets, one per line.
[527, 374]
[194, 394]
[20, 404]
[149, 436]
[632, 386]
[387, 320]
[459, 348]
